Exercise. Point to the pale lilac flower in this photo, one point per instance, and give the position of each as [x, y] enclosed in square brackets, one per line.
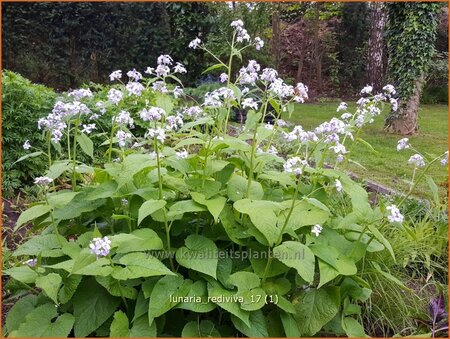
[444, 160]
[43, 181]
[26, 145]
[116, 75]
[342, 107]
[149, 70]
[346, 116]
[193, 112]
[101, 106]
[165, 59]
[88, 128]
[100, 246]
[316, 230]
[339, 149]
[281, 123]
[416, 160]
[178, 92]
[389, 89]
[403, 144]
[194, 44]
[182, 154]
[259, 43]
[122, 137]
[124, 202]
[30, 262]
[81, 93]
[160, 86]
[134, 75]
[223, 77]
[162, 70]
[338, 185]
[174, 122]
[245, 90]
[151, 114]
[157, 133]
[301, 92]
[124, 118]
[292, 165]
[114, 96]
[394, 104]
[237, 24]
[367, 90]
[395, 215]
[269, 75]
[249, 103]
[179, 68]
[134, 88]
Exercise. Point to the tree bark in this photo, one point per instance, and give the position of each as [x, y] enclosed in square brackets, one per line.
[317, 56]
[405, 121]
[376, 69]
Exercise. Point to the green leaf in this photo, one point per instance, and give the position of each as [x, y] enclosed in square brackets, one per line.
[46, 245]
[200, 254]
[372, 228]
[298, 256]
[184, 206]
[198, 290]
[92, 306]
[139, 265]
[143, 239]
[77, 206]
[117, 288]
[306, 212]
[50, 283]
[40, 323]
[257, 327]
[16, 315]
[290, 325]
[433, 188]
[227, 300]
[23, 274]
[327, 273]
[263, 215]
[120, 327]
[188, 142]
[165, 102]
[29, 155]
[215, 206]
[204, 329]
[70, 284]
[165, 293]
[333, 257]
[58, 168]
[31, 214]
[353, 328]
[369, 146]
[148, 207]
[211, 68]
[237, 188]
[315, 308]
[86, 144]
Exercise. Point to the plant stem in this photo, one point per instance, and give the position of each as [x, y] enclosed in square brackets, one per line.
[161, 196]
[229, 82]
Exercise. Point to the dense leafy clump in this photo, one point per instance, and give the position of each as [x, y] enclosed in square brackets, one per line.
[189, 230]
[22, 102]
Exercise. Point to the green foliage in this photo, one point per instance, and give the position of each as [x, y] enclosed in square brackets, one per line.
[409, 60]
[221, 238]
[23, 103]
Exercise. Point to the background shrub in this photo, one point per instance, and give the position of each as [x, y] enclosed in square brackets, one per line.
[23, 104]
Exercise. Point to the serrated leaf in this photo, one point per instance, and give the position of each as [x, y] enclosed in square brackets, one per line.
[149, 207]
[204, 329]
[199, 254]
[40, 323]
[143, 239]
[46, 245]
[298, 256]
[139, 265]
[23, 274]
[50, 283]
[257, 327]
[86, 144]
[215, 205]
[140, 329]
[197, 290]
[31, 214]
[92, 306]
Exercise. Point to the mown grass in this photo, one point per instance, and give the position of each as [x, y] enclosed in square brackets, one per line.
[388, 166]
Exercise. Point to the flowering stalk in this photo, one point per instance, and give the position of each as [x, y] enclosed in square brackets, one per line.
[74, 158]
[161, 196]
[229, 81]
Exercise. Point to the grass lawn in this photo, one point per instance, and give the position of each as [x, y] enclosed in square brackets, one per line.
[387, 166]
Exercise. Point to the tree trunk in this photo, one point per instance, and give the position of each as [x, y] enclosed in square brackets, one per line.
[376, 69]
[276, 35]
[300, 67]
[317, 56]
[405, 121]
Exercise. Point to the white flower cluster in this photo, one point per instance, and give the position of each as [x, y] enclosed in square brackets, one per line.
[26, 145]
[395, 215]
[157, 133]
[152, 114]
[416, 160]
[122, 137]
[241, 32]
[100, 246]
[194, 44]
[124, 118]
[295, 165]
[43, 181]
[193, 112]
[183, 154]
[218, 97]
[444, 160]
[403, 144]
[316, 230]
